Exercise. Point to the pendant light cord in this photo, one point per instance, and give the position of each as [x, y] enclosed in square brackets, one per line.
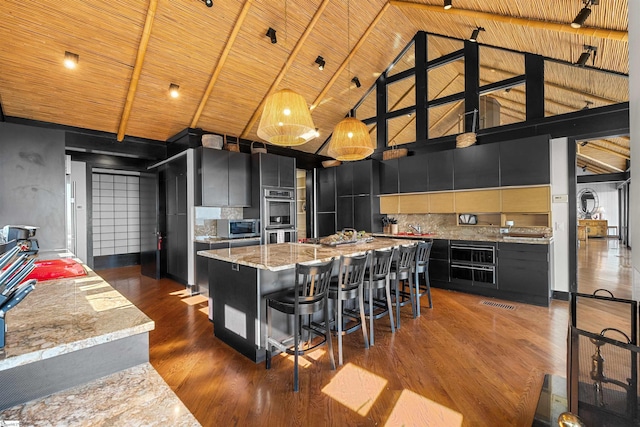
[350, 113]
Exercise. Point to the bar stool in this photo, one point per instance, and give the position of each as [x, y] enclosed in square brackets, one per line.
[423, 251]
[378, 278]
[401, 271]
[345, 287]
[309, 296]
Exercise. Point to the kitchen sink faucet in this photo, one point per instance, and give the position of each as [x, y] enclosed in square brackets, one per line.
[416, 228]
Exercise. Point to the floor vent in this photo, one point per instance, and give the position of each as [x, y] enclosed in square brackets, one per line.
[498, 305]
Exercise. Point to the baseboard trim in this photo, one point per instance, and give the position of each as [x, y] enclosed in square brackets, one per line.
[561, 295]
[115, 261]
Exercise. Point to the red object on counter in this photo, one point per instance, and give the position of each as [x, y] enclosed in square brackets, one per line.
[56, 269]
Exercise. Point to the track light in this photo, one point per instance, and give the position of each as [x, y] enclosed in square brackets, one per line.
[174, 90]
[356, 81]
[271, 33]
[584, 13]
[321, 63]
[475, 34]
[584, 56]
[447, 4]
[70, 60]
[209, 3]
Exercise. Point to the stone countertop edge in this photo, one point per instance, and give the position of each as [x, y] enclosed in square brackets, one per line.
[223, 239]
[485, 238]
[65, 315]
[136, 396]
[284, 256]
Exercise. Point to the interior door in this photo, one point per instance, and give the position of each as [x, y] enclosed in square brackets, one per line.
[149, 231]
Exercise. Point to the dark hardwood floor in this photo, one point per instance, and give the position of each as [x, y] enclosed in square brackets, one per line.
[460, 360]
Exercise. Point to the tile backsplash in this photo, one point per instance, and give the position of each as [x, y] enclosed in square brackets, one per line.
[447, 223]
[206, 219]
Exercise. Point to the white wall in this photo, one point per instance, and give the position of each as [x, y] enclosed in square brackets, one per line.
[634, 104]
[607, 193]
[560, 214]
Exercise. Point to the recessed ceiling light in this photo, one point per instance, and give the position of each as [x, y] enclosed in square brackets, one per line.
[174, 90]
[70, 60]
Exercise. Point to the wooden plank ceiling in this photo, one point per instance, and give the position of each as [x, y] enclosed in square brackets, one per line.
[131, 51]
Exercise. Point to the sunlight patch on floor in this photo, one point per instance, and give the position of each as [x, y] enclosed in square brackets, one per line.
[411, 409]
[182, 293]
[196, 299]
[355, 388]
[302, 360]
[204, 310]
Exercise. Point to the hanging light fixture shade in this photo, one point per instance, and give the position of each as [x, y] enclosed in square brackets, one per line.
[350, 141]
[286, 120]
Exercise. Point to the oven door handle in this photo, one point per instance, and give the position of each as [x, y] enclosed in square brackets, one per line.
[467, 267]
[476, 248]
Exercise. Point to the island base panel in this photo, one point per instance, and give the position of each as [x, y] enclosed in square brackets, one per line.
[38, 379]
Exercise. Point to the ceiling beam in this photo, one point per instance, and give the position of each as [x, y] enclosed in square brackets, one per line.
[599, 162]
[137, 69]
[283, 71]
[593, 144]
[601, 33]
[221, 62]
[353, 52]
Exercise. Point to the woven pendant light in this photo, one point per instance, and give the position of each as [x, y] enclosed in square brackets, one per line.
[286, 120]
[350, 141]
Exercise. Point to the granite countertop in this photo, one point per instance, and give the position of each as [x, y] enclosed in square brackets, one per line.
[137, 396]
[470, 237]
[65, 315]
[215, 239]
[283, 256]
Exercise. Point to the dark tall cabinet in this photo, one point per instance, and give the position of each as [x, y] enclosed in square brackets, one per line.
[357, 188]
[326, 201]
[477, 166]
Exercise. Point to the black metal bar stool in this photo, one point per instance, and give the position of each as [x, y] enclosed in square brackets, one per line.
[309, 296]
[423, 252]
[349, 286]
[376, 279]
[402, 272]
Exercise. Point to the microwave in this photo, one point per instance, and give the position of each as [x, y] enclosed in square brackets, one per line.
[234, 228]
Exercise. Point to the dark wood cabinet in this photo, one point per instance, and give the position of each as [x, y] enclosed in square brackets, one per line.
[413, 174]
[523, 272]
[344, 212]
[440, 170]
[175, 234]
[389, 183]
[326, 223]
[477, 166]
[525, 161]
[344, 180]
[439, 261]
[326, 190]
[362, 177]
[223, 178]
[362, 213]
[274, 170]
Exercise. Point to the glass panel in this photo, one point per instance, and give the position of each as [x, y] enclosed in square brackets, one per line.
[373, 132]
[446, 80]
[367, 109]
[401, 94]
[402, 129]
[446, 119]
[441, 46]
[503, 107]
[407, 61]
[497, 65]
[568, 88]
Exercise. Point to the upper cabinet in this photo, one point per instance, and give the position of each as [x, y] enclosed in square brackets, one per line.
[477, 166]
[356, 178]
[389, 183]
[440, 170]
[223, 178]
[413, 174]
[276, 171]
[525, 161]
[326, 190]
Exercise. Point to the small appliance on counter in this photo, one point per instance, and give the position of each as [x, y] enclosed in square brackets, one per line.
[238, 228]
[14, 268]
[23, 237]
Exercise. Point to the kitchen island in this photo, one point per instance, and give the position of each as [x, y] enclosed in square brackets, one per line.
[241, 277]
[77, 350]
